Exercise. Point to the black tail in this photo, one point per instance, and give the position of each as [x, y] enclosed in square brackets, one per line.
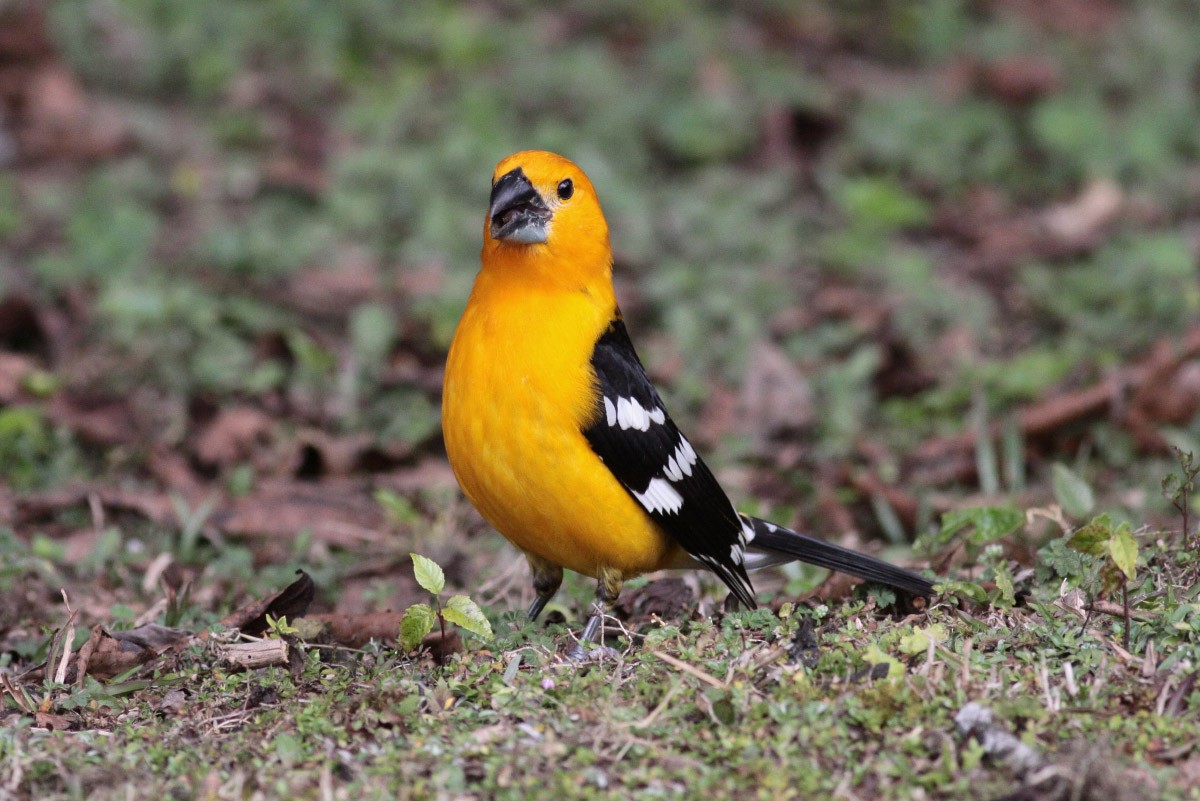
[777, 539]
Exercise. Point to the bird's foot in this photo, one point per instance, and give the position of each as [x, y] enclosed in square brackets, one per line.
[581, 655]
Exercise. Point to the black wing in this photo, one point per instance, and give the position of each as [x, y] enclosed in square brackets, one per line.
[640, 444]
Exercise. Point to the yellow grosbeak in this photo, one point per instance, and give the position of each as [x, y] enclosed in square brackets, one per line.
[557, 435]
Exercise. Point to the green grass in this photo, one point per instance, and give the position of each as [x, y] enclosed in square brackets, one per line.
[803, 702]
[513, 721]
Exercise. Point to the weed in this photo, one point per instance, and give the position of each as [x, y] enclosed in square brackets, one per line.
[419, 619]
[1178, 487]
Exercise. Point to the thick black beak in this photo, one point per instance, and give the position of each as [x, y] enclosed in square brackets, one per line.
[517, 211]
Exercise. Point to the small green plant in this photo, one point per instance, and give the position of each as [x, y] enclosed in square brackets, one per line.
[1178, 487]
[1114, 551]
[280, 628]
[976, 530]
[419, 618]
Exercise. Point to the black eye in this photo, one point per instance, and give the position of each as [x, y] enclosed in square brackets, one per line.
[566, 188]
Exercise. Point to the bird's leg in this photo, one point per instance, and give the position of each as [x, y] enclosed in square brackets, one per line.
[547, 578]
[608, 587]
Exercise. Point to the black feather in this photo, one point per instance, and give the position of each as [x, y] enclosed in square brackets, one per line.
[705, 524]
[777, 539]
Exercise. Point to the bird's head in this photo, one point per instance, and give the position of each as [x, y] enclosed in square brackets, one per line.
[543, 206]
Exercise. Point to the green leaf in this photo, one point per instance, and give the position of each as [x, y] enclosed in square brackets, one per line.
[995, 522]
[1124, 550]
[991, 522]
[429, 574]
[1072, 492]
[418, 621]
[1004, 583]
[1093, 538]
[918, 642]
[962, 589]
[874, 656]
[465, 613]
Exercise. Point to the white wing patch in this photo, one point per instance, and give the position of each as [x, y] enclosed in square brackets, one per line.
[660, 496]
[681, 461]
[628, 413]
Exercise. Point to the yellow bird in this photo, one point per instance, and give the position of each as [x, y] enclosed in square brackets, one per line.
[557, 435]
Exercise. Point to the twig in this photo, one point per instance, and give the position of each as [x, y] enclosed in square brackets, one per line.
[691, 670]
[255, 654]
[68, 641]
[1125, 608]
[1117, 610]
[1138, 384]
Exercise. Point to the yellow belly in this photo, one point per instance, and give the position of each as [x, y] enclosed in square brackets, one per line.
[516, 397]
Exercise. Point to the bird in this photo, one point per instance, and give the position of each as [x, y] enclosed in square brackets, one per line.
[556, 433]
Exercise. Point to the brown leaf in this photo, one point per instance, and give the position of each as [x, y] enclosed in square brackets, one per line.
[24, 36]
[356, 630]
[233, 436]
[106, 654]
[1072, 17]
[319, 454]
[293, 175]
[336, 512]
[1021, 80]
[669, 599]
[59, 122]
[33, 507]
[99, 421]
[290, 602]
[45, 720]
[900, 373]
[776, 398]
[335, 291]
[14, 369]
[172, 471]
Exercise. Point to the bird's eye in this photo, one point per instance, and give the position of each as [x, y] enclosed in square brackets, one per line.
[566, 188]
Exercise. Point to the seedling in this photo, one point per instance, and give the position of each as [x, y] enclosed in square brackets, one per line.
[419, 618]
[1117, 550]
[1178, 487]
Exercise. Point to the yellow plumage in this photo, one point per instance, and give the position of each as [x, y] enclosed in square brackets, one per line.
[519, 390]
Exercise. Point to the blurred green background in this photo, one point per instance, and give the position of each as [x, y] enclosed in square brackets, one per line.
[935, 211]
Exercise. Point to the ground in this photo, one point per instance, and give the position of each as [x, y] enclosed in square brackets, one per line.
[920, 278]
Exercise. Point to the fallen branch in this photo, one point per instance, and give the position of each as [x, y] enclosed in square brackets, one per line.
[255, 654]
[1117, 610]
[1138, 396]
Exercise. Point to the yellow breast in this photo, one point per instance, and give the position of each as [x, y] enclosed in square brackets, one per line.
[518, 393]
